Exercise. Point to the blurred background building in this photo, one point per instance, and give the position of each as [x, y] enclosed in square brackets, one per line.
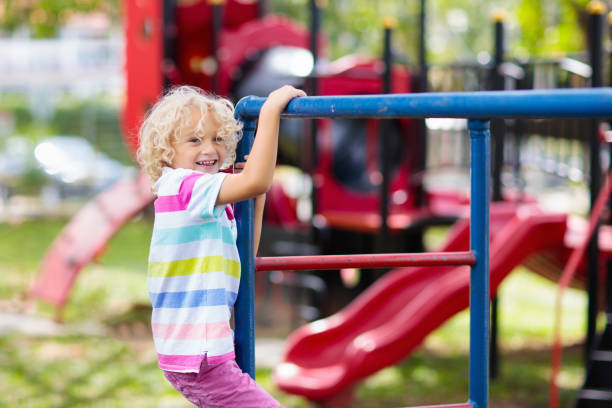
[59, 103]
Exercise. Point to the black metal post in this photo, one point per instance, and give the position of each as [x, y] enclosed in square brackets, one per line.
[262, 8]
[498, 134]
[422, 45]
[217, 25]
[498, 128]
[595, 29]
[519, 132]
[169, 33]
[315, 27]
[421, 86]
[310, 162]
[383, 141]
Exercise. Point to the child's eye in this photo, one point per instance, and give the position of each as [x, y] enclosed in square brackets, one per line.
[218, 139]
[194, 140]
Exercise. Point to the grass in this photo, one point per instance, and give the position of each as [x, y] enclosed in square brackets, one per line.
[103, 355]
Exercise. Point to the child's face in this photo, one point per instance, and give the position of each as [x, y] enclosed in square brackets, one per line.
[200, 150]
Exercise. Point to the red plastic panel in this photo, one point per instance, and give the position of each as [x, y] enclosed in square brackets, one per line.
[143, 63]
[236, 46]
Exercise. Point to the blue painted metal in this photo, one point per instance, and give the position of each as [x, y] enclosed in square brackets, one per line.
[490, 104]
[244, 309]
[479, 278]
[472, 105]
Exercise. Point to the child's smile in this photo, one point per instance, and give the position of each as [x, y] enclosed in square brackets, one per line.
[200, 149]
[206, 163]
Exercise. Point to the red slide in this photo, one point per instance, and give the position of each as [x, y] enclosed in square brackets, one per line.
[324, 359]
[86, 235]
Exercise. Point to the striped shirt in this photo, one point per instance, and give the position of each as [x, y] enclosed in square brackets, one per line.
[194, 271]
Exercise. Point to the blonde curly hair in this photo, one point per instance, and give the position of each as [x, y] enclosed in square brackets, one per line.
[171, 115]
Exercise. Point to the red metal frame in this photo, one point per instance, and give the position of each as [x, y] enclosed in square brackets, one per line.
[365, 261]
[143, 61]
[243, 35]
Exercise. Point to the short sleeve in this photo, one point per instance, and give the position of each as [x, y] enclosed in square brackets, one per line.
[204, 195]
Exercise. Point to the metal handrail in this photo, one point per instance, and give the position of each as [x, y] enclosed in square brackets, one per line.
[478, 107]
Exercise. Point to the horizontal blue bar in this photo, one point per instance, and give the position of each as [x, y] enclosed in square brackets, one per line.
[547, 103]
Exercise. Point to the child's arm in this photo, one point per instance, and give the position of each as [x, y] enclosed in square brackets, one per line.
[260, 202]
[256, 177]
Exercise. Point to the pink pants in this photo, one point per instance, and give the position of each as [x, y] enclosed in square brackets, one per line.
[221, 386]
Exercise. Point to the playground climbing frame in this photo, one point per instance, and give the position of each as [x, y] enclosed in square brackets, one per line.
[478, 108]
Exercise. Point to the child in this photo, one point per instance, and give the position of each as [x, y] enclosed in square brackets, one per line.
[194, 268]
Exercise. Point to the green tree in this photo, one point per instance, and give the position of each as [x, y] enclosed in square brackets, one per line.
[45, 17]
[355, 26]
[546, 27]
[457, 30]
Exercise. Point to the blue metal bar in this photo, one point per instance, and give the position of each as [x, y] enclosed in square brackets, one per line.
[471, 105]
[244, 309]
[490, 104]
[479, 277]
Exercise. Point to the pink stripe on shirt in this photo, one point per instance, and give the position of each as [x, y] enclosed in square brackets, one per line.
[190, 363]
[179, 362]
[218, 330]
[180, 201]
[229, 212]
[215, 330]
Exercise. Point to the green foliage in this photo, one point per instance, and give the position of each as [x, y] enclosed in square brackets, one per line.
[45, 17]
[76, 370]
[32, 181]
[550, 28]
[130, 248]
[355, 27]
[456, 30]
[23, 245]
[17, 104]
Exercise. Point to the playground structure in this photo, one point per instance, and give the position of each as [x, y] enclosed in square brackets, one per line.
[227, 59]
[398, 312]
[230, 53]
[370, 334]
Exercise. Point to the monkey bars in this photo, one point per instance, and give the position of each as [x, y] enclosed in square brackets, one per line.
[477, 107]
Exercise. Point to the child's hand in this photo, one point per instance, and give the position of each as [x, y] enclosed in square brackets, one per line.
[255, 177]
[278, 99]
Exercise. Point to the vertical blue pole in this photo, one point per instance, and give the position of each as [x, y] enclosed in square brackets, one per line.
[479, 278]
[244, 314]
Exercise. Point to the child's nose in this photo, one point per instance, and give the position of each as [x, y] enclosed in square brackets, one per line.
[207, 147]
